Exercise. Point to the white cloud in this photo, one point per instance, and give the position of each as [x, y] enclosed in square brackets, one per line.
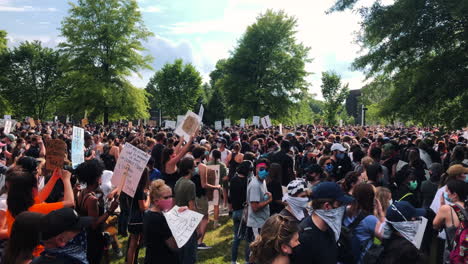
[151, 9]
[49, 41]
[6, 7]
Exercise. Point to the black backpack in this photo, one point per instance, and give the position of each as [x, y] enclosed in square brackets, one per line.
[345, 246]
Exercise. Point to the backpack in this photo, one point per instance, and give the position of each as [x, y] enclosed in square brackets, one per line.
[372, 255]
[345, 242]
[459, 253]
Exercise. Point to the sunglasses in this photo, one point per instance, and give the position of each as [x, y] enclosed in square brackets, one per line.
[167, 197]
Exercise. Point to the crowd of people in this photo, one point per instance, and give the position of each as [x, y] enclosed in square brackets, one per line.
[312, 194]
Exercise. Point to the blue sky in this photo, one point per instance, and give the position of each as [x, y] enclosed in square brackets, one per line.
[203, 31]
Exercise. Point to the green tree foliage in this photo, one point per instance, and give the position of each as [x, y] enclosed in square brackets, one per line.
[334, 94]
[5, 107]
[32, 80]
[420, 47]
[3, 41]
[175, 89]
[103, 42]
[266, 73]
[216, 107]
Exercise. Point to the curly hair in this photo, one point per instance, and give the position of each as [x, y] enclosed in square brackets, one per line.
[89, 171]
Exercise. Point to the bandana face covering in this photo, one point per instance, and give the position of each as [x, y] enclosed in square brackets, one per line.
[333, 218]
[75, 248]
[297, 205]
[407, 229]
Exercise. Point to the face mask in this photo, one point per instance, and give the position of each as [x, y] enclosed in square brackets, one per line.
[413, 185]
[407, 229]
[297, 205]
[447, 198]
[391, 201]
[333, 218]
[329, 167]
[207, 153]
[263, 174]
[75, 249]
[165, 204]
[218, 145]
[340, 156]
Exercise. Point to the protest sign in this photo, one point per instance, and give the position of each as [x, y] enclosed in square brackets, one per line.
[6, 117]
[242, 122]
[256, 120]
[170, 124]
[7, 126]
[188, 125]
[218, 125]
[130, 124]
[84, 122]
[77, 146]
[341, 122]
[216, 169]
[129, 168]
[200, 112]
[31, 122]
[56, 151]
[267, 121]
[264, 123]
[152, 123]
[180, 118]
[281, 129]
[227, 123]
[182, 224]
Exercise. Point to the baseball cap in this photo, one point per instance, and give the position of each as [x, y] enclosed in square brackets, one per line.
[203, 141]
[296, 186]
[337, 146]
[456, 170]
[222, 140]
[330, 190]
[403, 211]
[313, 168]
[65, 219]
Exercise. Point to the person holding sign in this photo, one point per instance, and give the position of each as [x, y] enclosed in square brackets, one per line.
[160, 244]
[90, 202]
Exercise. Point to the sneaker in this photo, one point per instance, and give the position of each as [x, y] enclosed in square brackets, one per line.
[203, 246]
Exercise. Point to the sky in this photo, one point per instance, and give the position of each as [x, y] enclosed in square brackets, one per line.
[204, 31]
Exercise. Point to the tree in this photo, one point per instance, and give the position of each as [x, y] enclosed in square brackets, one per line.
[175, 88]
[32, 79]
[5, 107]
[334, 94]
[3, 41]
[266, 73]
[103, 42]
[420, 48]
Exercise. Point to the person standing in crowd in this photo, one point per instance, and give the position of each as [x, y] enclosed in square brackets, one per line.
[216, 160]
[35, 148]
[185, 195]
[429, 187]
[314, 175]
[161, 246]
[340, 161]
[156, 152]
[258, 199]
[285, 160]
[170, 158]
[399, 230]
[296, 199]
[320, 231]
[273, 182]
[276, 241]
[90, 202]
[238, 190]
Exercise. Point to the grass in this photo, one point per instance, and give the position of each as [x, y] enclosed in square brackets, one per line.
[220, 239]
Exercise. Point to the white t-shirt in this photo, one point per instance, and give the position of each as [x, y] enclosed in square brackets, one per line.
[3, 202]
[106, 185]
[435, 205]
[224, 155]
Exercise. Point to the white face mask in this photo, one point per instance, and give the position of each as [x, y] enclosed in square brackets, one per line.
[333, 218]
[407, 229]
[391, 201]
[297, 205]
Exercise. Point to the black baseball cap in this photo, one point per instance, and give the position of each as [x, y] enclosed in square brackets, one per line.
[222, 140]
[330, 190]
[403, 211]
[61, 220]
[313, 168]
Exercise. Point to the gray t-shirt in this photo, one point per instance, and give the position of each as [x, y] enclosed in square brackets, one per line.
[256, 193]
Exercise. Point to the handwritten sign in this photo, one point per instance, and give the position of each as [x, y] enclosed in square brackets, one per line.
[170, 124]
[267, 121]
[56, 151]
[200, 112]
[182, 224]
[218, 125]
[77, 146]
[188, 125]
[129, 168]
[242, 122]
[227, 122]
[6, 117]
[264, 123]
[7, 126]
[256, 120]
[130, 124]
[216, 169]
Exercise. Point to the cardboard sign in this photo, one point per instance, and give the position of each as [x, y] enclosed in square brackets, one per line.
[200, 112]
[129, 168]
[84, 122]
[130, 124]
[170, 124]
[31, 122]
[179, 119]
[77, 146]
[182, 224]
[188, 125]
[242, 122]
[216, 195]
[227, 123]
[264, 123]
[218, 125]
[256, 120]
[153, 123]
[56, 152]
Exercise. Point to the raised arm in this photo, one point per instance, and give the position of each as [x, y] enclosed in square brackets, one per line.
[45, 192]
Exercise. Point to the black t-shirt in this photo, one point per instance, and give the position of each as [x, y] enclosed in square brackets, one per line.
[156, 232]
[156, 153]
[317, 246]
[238, 192]
[286, 162]
[277, 194]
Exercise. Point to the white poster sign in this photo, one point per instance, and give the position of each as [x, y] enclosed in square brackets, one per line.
[256, 120]
[216, 169]
[218, 125]
[227, 123]
[281, 129]
[264, 123]
[242, 122]
[129, 168]
[77, 150]
[179, 119]
[7, 125]
[6, 117]
[169, 124]
[182, 224]
[200, 113]
[341, 122]
[188, 125]
[267, 121]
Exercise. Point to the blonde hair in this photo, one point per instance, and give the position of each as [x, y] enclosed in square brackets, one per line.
[383, 194]
[156, 189]
[366, 161]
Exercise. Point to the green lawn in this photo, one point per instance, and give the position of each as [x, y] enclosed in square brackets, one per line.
[220, 239]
